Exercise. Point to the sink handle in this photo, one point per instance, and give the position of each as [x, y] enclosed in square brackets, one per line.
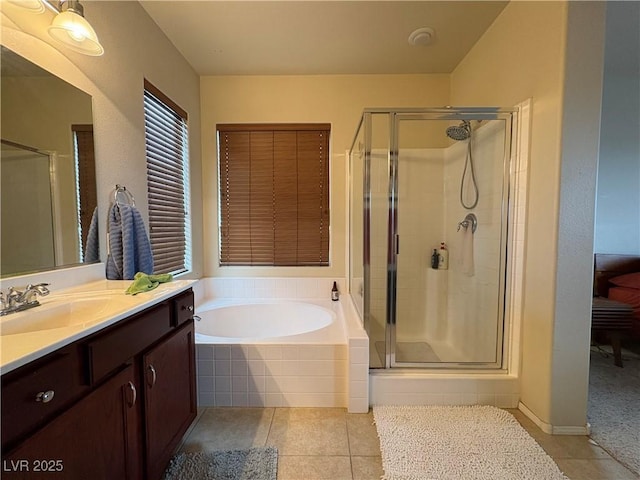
[45, 397]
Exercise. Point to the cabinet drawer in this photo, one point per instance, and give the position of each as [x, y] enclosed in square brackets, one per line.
[115, 347]
[182, 308]
[39, 391]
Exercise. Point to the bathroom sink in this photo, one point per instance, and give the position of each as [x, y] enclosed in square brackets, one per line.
[66, 311]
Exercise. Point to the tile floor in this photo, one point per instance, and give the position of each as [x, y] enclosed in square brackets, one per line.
[331, 444]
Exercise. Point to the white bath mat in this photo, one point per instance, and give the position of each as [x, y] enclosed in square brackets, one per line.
[458, 442]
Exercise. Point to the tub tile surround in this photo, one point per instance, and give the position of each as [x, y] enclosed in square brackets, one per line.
[279, 375]
[268, 288]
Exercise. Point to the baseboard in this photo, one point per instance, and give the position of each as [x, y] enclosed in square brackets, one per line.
[553, 429]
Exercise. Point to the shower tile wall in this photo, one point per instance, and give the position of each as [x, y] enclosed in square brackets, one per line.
[421, 290]
[473, 300]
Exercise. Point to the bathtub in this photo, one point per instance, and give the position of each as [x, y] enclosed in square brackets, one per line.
[273, 352]
[269, 321]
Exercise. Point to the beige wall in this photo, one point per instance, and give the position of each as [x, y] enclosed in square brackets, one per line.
[135, 49]
[511, 62]
[336, 99]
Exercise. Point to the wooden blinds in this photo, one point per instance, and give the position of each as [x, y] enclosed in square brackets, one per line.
[274, 194]
[87, 193]
[166, 147]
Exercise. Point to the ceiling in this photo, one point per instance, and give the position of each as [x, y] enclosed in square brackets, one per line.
[321, 37]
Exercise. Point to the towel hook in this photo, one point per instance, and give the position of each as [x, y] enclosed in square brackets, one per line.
[129, 196]
[469, 220]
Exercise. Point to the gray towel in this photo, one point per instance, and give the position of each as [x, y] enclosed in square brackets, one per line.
[129, 246]
[92, 249]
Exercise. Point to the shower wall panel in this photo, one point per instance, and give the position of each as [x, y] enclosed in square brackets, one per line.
[473, 300]
[378, 250]
[420, 290]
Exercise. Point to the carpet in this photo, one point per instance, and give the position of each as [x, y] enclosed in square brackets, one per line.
[458, 442]
[251, 464]
[614, 405]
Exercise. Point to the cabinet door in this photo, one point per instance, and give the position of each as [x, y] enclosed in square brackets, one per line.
[169, 397]
[97, 438]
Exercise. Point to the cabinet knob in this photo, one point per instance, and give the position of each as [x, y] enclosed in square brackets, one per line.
[190, 308]
[45, 397]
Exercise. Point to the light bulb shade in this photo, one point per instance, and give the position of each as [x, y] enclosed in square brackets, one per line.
[76, 33]
[35, 6]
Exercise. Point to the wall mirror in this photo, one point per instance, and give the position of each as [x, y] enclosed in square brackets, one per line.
[48, 185]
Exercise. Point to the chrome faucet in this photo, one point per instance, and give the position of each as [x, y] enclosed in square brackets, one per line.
[18, 301]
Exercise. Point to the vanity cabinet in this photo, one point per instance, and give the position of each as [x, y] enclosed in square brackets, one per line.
[95, 439]
[125, 397]
[169, 397]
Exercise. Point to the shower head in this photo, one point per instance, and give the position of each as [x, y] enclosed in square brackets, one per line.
[460, 132]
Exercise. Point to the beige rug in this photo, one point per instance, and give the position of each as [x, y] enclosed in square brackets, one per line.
[458, 442]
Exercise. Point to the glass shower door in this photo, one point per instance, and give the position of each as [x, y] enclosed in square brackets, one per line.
[450, 315]
[376, 226]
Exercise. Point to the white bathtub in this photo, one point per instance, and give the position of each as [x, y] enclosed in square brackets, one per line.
[269, 321]
[272, 353]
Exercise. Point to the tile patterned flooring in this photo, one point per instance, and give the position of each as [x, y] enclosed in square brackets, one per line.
[331, 444]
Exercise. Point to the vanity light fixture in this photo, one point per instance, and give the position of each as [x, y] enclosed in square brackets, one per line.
[70, 27]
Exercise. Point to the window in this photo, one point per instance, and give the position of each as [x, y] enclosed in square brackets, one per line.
[167, 182]
[87, 197]
[274, 194]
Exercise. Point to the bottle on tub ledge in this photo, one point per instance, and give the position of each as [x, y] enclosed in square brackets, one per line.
[335, 294]
[435, 259]
[443, 257]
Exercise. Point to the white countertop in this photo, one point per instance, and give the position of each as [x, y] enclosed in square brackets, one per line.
[19, 349]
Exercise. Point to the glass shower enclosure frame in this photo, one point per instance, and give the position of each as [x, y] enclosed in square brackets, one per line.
[410, 178]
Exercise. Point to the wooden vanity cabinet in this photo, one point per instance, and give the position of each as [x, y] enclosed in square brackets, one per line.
[137, 399]
[96, 438]
[39, 391]
[169, 397]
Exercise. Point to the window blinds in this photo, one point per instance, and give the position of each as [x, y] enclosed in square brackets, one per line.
[274, 194]
[86, 166]
[167, 181]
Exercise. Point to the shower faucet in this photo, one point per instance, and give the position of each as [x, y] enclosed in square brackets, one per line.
[469, 221]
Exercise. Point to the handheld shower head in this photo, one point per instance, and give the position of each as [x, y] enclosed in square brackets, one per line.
[460, 132]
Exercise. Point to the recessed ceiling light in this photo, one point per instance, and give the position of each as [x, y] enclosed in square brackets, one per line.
[422, 36]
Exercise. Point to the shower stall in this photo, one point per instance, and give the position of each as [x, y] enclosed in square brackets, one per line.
[430, 225]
